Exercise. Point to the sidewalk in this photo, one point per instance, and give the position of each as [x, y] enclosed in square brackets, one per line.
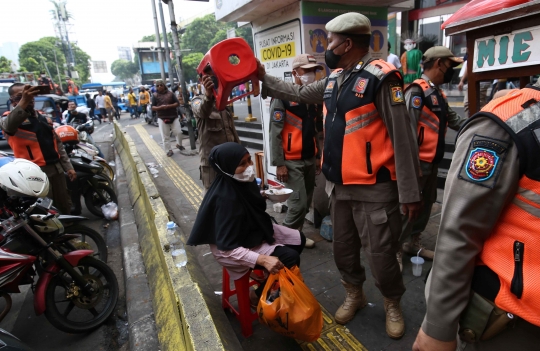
[178, 184]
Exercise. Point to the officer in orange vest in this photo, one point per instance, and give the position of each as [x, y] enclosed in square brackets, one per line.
[487, 260]
[370, 160]
[72, 87]
[31, 137]
[294, 145]
[430, 116]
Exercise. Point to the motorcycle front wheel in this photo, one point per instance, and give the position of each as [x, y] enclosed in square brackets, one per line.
[107, 170]
[88, 239]
[69, 309]
[98, 196]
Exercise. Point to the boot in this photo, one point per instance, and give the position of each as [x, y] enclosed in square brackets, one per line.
[414, 245]
[395, 326]
[354, 301]
[399, 257]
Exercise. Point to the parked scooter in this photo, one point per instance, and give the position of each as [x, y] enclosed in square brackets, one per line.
[76, 292]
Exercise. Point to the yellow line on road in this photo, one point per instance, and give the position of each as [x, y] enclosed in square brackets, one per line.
[456, 104]
[191, 190]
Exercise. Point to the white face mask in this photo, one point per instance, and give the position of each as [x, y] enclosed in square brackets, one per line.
[247, 176]
[307, 78]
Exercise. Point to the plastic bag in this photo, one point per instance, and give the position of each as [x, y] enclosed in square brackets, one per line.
[110, 211]
[294, 311]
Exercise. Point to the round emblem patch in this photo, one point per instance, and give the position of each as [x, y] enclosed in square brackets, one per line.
[416, 101]
[278, 116]
[482, 163]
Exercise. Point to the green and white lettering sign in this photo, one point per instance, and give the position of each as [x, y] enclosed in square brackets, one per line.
[519, 48]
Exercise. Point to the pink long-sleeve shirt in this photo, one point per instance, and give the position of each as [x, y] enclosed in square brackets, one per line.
[240, 260]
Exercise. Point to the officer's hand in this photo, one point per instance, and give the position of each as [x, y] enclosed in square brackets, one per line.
[261, 70]
[460, 86]
[282, 174]
[424, 342]
[208, 86]
[318, 166]
[28, 94]
[72, 175]
[411, 210]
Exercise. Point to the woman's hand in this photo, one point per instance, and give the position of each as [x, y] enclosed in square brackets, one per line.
[271, 263]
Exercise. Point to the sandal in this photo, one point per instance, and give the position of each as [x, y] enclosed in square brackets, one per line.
[180, 147]
[170, 153]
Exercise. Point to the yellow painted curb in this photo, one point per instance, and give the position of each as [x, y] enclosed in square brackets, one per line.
[182, 316]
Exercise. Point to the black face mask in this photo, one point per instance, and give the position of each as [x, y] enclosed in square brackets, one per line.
[448, 75]
[331, 59]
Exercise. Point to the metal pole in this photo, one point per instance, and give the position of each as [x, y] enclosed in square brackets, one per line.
[181, 78]
[158, 40]
[57, 70]
[250, 117]
[166, 40]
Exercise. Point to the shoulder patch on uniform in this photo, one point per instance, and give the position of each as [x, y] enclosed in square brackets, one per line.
[434, 100]
[196, 102]
[293, 103]
[278, 115]
[484, 160]
[396, 92]
[360, 85]
[330, 86]
[416, 101]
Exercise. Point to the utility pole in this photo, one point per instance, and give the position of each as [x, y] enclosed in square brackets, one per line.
[167, 52]
[158, 39]
[181, 78]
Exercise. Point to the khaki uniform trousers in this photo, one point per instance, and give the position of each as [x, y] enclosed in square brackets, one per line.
[58, 190]
[207, 176]
[302, 182]
[428, 184]
[375, 227]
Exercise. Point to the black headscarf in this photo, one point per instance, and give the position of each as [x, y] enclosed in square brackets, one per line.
[232, 213]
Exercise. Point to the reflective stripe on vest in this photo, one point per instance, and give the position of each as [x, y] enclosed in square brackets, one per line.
[357, 147]
[513, 249]
[35, 142]
[432, 116]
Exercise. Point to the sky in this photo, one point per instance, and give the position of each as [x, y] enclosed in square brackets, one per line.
[98, 26]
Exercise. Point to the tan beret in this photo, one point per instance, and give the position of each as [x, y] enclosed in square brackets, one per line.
[437, 52]
[350, 23]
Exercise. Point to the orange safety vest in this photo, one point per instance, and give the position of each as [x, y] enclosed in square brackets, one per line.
[432, 124]
[298, 133]
[34, 140]
[70, 87]
[357, 147]
[512, 250]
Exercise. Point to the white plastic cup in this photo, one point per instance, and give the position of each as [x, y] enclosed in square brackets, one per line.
[417, 263]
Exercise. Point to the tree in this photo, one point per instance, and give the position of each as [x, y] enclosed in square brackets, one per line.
[220, 35]
[246, 33]
[189, 64]
[124, 69]
[200, 33]
[5, 64]
[152, 38]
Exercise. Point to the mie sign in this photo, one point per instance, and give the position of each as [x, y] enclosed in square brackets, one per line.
[521, 48]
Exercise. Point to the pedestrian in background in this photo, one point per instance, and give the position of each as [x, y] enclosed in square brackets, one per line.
[100, 103]
[91, 104]
[165, 103]
[114, 99]
[109, 106]
[294, 145]
[133, 104]
[370, 162]
[144, 100]
[392, 58]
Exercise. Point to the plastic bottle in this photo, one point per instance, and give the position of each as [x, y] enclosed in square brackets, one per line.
[177, 247]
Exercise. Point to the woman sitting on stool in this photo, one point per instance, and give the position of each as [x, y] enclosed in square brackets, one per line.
[232, 219]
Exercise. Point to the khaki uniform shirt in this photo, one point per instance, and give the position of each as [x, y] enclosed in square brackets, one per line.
[454, 120]
[470, 212]
[215, 127]
[399, 129]
[11, 123]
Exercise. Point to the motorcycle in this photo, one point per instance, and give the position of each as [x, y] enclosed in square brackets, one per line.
[76, 292]
[10, 342]
[151, 116]
[96, 188]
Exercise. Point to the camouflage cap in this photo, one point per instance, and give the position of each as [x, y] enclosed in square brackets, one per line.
[350, 23]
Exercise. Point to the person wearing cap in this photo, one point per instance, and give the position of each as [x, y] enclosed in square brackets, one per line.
[430, 116]
[484, 284]
[370, 160]
[294, 145]
[215, 127]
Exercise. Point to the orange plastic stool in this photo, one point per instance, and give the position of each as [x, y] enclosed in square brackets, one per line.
[230, 75]
[241, 290]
